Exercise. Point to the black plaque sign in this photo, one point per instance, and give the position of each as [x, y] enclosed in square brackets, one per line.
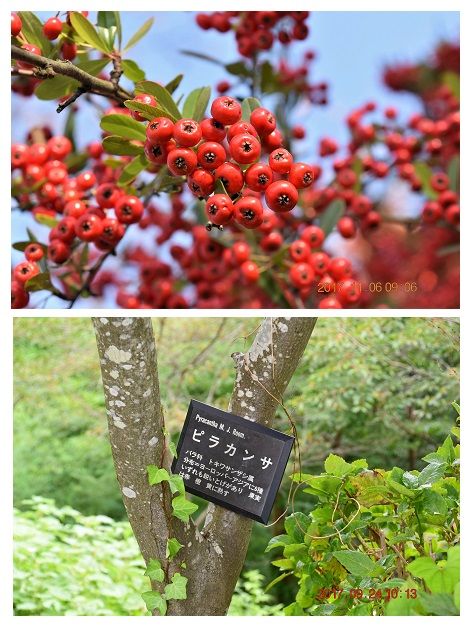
[231, 461]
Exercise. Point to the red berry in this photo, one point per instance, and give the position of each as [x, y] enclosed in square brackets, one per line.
[301, 175]
[34, 252]
[23, 65]
[280, 161]
[19, 297]
[58, 251]
[340, 268]
[439, 181]
[201, 183]
[212, 130]
[272, 141]
[146, 99]
[156, 152]
[346, 227]
[88, 227]
[52, 28]
[219, 209]
[65, 230]
[226, 110]
[241, 251]
[281, 196]
[361, 205]
[313, 235]
[25, 270]
[258, 177]
[301, 275]
[181, 161]
[249, 212]
[86, 180]
[112, 231]
[349, 291]
[68, 51]
[107, 195]
[263, 121]
[239, 128]
[59, 147]
[75, 209]
[210, 155]
[245, 148]
[129, 209]
[330, 302]
[231, 177]
[452, 214]
[431, 212]
[271, 242]
[299, 251]
[15, 25]
[371, 220]
[320, 262]
[250, 271]
[160, 130]
[187, 132]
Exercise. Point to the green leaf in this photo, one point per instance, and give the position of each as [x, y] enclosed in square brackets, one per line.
[439, 579]
[154, 570]
[156, 475]
[296, 526]
[41, 282]
[107, 26]
[132, 70]
[331, 215]
[140, 33]
[172, 449]
[439, 604]
[182, 508]
[453, 173]
[424, 173]
[358, 563]
[147, 111]
[452, 80]
[430, 474]
[172, 547]
[155, 601]
[177, 589]
[174, 83]
[124, 126]
[336, 465]
[278, 541]
[32, 30]
[249, 104]
[46, 219]
[203, 56]
[87, 32]
[196, 103]
[57, 87]
[176, 483]
[114, 145]
[132, 169]
[164, 99]
[238, 68]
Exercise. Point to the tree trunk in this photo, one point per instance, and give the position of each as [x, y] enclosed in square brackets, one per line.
[215, 554]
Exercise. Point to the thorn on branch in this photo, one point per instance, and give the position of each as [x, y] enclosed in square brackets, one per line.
[62, 106]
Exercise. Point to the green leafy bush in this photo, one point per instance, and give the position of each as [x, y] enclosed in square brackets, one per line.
[376, 542]
[66, 563]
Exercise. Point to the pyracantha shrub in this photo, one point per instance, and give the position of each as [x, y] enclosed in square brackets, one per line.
[201, 201]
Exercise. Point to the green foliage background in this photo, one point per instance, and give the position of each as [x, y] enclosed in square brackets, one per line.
[376, 388]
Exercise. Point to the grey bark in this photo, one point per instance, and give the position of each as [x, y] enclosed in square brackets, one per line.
[215, 554]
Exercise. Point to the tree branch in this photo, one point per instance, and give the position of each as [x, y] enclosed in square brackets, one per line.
[49, 68]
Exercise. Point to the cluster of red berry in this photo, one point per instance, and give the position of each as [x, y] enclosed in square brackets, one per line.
[257, 30]
[296, 79]
[93, 208]
[225, 150]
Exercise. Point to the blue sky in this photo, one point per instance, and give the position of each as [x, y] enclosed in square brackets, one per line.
[352, 49]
